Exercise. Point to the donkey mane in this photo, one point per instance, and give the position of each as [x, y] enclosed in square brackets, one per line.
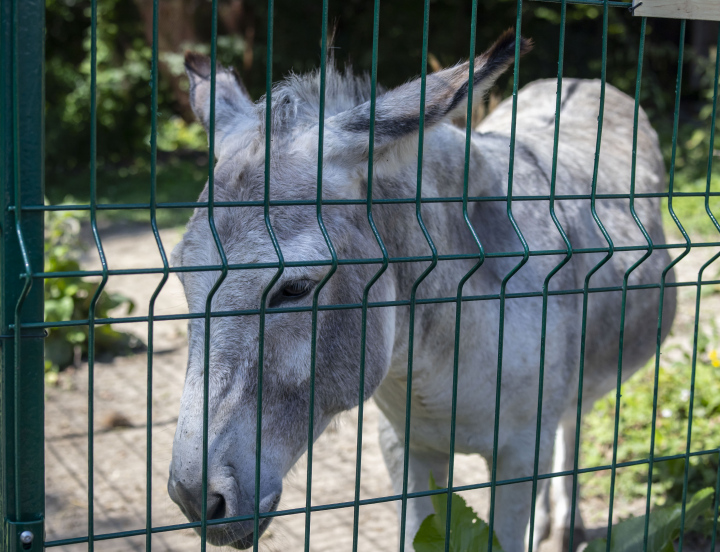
[296, 99]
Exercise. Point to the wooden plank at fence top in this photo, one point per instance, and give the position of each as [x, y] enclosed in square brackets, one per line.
[678, 9]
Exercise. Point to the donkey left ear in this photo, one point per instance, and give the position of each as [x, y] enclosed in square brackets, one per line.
[233, 105]
[397, 112]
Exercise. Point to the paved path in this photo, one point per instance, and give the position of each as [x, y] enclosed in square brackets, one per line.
[120, 436]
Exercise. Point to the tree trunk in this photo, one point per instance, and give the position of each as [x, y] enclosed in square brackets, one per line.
[176, 30]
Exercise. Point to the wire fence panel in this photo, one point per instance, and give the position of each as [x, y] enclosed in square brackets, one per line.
[23, 274]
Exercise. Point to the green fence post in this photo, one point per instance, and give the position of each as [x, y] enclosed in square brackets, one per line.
[22, 475]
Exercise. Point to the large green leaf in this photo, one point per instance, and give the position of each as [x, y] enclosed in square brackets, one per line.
[663, 529]
[468, 533]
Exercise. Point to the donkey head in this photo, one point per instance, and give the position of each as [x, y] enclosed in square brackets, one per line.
[298, 352]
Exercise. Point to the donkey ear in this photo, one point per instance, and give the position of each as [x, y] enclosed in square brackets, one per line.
[397, 112]
[233, 105]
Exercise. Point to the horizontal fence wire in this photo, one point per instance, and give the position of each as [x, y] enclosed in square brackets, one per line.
[376, 304]
[361, 202]
[611, 4]
[377, 260]
[375, 500]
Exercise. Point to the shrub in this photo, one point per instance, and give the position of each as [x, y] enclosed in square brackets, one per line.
[70, 298]
[674, 380]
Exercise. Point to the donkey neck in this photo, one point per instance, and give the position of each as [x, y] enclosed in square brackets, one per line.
[440, 209]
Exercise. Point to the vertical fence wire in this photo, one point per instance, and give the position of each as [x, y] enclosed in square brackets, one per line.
[321, 284]
[164, 279]
[467, 276]
[651, 456]
[716, 507]
[691, 400]
[103, 261]
[589, 275]
[555, 270]
[653, 423]
[223, 274]
[274, 279]
[663, 278]
[375, 277]
[510, 274]
[419, 280]
[711, 154]
[623, 302]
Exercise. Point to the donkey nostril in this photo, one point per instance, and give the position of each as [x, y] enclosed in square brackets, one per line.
[216, 507]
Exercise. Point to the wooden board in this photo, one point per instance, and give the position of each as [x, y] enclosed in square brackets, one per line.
[678, 9]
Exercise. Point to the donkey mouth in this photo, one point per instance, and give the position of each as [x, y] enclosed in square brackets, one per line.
[246, 541]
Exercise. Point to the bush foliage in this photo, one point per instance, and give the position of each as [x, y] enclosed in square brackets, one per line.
[469, 533]
[674, 385]
[70, 298]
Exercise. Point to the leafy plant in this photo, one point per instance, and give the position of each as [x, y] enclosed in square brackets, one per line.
[671, 426]
[663, 528]
[467, 531]
[69, 298]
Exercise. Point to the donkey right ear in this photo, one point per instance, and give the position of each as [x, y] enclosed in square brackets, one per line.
[233, 105]
[397, 112]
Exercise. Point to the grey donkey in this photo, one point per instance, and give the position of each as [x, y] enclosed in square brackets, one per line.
[240, 132]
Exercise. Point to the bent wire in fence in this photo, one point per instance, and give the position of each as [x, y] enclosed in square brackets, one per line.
[22, 275]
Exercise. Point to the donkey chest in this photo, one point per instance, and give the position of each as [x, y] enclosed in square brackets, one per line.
[431, 405]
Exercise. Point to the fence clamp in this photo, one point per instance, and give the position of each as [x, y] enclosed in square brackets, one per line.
[21, 536]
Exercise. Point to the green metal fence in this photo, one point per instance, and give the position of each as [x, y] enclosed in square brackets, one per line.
[22, 324]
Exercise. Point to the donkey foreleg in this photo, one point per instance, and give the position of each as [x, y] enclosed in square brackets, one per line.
[513, 501]
[562, 489]
[420, 465]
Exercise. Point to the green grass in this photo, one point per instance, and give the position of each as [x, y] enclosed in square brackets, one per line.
[691, 210]
[674, 381]
[177, 180]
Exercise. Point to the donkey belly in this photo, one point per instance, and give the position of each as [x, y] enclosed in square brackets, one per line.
[477, 376]
[579, 111]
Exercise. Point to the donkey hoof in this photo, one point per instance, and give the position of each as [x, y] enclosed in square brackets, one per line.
[579, 538]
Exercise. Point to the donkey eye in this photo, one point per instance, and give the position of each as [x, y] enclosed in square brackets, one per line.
[296, 289]
[291, 291]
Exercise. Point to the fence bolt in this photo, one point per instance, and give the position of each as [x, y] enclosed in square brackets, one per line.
[26, 537]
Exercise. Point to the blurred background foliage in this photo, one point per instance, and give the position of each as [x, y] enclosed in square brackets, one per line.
[124, 64]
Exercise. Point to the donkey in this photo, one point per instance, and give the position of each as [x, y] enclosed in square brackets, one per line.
[240, 134]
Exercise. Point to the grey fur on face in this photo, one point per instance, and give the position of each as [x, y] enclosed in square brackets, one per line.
[239, 128]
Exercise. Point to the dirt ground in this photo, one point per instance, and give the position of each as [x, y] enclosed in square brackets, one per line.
[120, 438]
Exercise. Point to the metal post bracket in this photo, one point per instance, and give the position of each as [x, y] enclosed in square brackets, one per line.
[23, 536]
